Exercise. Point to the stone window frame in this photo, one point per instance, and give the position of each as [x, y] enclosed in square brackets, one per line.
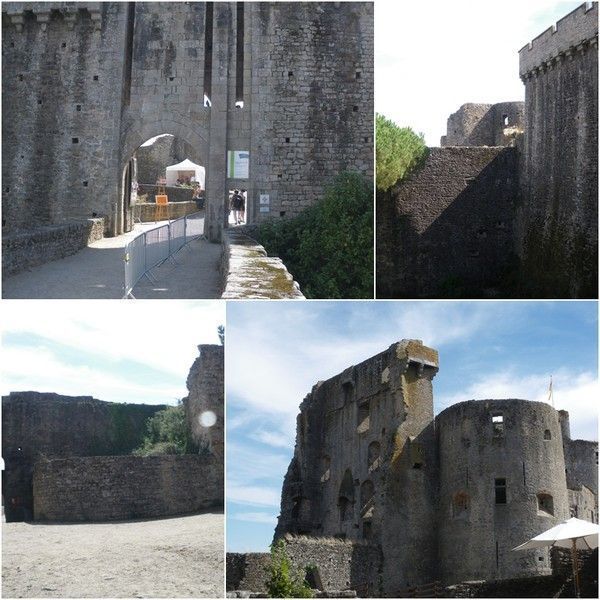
[547, 435]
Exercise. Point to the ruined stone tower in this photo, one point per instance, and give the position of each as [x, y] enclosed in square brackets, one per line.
[442, 499]
[287, 86]
[364, 464]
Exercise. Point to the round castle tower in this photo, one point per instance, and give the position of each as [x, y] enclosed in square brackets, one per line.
[502, 481]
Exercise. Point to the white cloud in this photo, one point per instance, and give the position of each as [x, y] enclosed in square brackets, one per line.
[252, 495]
[161, 335]
[573, 392]
[432, 57]
[255, 517]
[50, 374]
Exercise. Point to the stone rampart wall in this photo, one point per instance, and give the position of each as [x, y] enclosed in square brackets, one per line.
[448, 227]
[106, 488]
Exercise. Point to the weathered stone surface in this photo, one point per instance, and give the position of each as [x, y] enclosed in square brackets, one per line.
[557, 224]
[147, 211]
[341, 566]
[448, 228]
[206, 386]
[107, 488]
[372, 464]
[249, 273]
[22, 250]
[71, 442]
[485, 124]
[83, 89]
[531, 228]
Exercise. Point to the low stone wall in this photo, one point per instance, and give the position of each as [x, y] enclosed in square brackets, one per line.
[340, 565]
[107, 488]
[147, 211]
[175, 194]
[248, 272]
[23, 250]
[247, 571]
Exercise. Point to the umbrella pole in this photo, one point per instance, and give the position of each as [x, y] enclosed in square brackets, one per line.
[575, 567]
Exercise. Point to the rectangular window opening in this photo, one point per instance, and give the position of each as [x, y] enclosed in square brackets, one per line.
[208, 47]
[498, 423]
[239, 56]
[505, 120]
[362, 420]
[500, 490]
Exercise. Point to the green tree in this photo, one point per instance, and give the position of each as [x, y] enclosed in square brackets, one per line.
[221, 333]
[399, 151]
[285, 581]
[167, 433]
[328, 247]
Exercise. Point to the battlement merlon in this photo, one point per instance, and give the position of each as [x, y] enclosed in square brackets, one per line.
[414, 352]
[15, 11]
[575, 31]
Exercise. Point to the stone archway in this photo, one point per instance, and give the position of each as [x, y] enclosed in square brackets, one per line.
[139, 133]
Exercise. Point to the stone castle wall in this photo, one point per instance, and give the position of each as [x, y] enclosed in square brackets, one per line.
[448, 228]
[111, 488]
[557, 224]
[62, 70]
[205, 383]
[525, 450]
[24, 250]
[372, 466]
[354, 429]
[313, 77]
[85, 85]
[38, 424]
[484, 124]
[340, 565]
[153, 160]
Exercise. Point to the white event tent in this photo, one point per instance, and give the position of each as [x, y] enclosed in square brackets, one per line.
[185, 168]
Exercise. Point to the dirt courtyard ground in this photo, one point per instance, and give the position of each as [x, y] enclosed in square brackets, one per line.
[178, 557]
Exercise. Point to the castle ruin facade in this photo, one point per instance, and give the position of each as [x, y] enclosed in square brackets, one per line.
[442, 498]
[274, 98]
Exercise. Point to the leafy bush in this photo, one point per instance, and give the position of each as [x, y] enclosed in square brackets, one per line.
[328, 248]
[399, 150]
[167, 433]
[285, 581]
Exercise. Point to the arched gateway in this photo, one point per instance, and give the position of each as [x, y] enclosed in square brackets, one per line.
[277, 98]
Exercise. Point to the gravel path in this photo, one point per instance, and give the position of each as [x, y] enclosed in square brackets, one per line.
[177, 558]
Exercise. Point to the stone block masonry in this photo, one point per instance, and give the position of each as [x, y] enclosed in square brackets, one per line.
[85, 85]
[22, 250]
[124, 487]
[373, 466]
[206, 387]
[448, 228]
[339, 564]
[249, 273]
[557, 222]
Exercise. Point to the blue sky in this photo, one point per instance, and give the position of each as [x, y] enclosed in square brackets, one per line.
[432, 57]
[137, 352]
[276, 351]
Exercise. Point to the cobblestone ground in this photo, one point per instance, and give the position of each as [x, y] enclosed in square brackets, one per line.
[178, 558]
